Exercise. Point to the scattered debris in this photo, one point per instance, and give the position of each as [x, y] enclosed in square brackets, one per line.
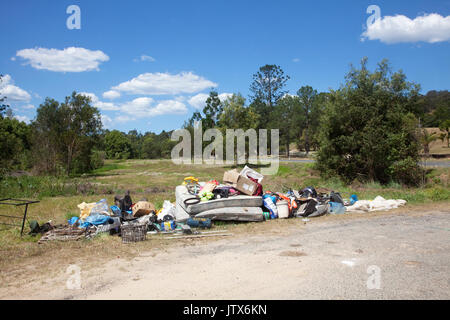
[198, 204]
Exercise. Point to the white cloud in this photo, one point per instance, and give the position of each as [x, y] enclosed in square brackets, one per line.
[70, 59]
[111, 94]
[106, 121]
[144, 57]
[429, 28]
[143, 107]
[165, 83]
[225, 96]
[28, 106]
[124, 119]
[138, 107]
[108, 106]
[23, 118]
[296, 60]
[199, 101]
[168, 107]
[12, 92]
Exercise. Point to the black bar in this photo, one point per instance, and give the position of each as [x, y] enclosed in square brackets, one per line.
[24, 202]
[24, 218]
[2, 215]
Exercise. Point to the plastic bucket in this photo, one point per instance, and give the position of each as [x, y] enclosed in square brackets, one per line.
[283, 209]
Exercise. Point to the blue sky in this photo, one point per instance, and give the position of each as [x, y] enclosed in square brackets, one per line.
[156, 60]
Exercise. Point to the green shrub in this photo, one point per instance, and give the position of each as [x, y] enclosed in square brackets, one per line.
[368, 129]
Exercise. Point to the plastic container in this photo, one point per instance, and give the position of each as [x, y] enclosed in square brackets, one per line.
[336, 208]
[283, 209]
[199, 223]
[271, 207]
[168, 226]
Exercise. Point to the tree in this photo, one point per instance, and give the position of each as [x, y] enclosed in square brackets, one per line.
[46, 145]
[307, 97]
[212, 110]
[267, 88]
[426, 139]
[135, 139]
[367, 132]
[14, 144]
[211, 113]
[82, 125]
[117, 146]
[268, 84]
[236, 115]
[287, 117]
[436, 107]
[65, 134]
[3, 107]
[445, 126]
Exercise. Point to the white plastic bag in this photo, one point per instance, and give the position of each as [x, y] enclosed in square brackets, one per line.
[167, 209]
[100, 207]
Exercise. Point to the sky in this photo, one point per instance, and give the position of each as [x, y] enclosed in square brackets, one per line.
[148, 65]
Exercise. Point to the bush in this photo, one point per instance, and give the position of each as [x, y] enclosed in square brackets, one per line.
[97, 159]
[368, 130]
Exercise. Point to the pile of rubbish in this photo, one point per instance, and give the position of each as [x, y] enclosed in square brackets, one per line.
[240, 197]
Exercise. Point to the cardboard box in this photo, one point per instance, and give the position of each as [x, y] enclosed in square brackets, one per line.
[208, 187]
[142, 208]
[246, 185]
[231, 177]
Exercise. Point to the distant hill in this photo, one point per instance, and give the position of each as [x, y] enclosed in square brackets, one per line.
[435, 107]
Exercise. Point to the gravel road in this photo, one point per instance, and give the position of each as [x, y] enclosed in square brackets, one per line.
[402, 254]
[388, 257]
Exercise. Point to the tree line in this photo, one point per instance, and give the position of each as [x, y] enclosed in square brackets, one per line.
[367, 129]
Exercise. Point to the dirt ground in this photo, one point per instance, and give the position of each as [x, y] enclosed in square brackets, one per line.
[330, 257]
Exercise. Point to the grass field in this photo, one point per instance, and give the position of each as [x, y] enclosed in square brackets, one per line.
[155, 180]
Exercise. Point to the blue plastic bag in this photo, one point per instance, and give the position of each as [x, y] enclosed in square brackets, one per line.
[96, 220]
[73, 220]
[353, 199]
[116, 211]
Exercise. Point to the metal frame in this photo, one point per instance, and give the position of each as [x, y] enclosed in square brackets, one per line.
[20, 202]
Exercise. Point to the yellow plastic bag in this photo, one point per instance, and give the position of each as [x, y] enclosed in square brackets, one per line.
[85, 209]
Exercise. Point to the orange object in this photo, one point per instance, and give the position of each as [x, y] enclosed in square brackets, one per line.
[291, 203]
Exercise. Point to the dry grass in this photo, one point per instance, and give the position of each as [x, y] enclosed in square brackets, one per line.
[155, 180]
[438, 146]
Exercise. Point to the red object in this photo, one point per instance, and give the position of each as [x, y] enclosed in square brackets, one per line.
[259, 190]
